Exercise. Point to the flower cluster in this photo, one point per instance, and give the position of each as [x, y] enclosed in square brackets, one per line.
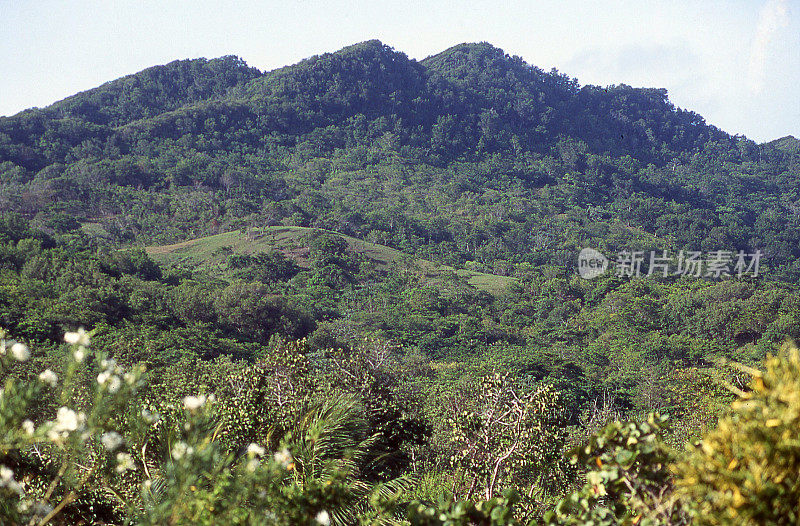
[112, 440]
[81, 341]
[7, 480]
[284, 458]
[49, 377]
[164, 462]
[18, 350]
[109, 378]
[182, 449]
[193, 403]
[67, 421]
[79, 338]
[124, 462]
[74, 429]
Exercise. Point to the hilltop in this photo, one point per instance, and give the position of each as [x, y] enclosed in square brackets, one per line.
[788, 144]
[497, 100]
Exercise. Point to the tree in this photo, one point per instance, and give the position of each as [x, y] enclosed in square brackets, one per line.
[510, 437]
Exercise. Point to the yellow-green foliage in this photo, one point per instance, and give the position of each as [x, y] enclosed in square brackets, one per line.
[747, 470]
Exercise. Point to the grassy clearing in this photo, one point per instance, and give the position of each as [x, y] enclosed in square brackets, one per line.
[209, 254]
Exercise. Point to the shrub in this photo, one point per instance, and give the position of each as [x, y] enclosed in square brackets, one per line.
[89, 463]
[746, 471]
[628, 479]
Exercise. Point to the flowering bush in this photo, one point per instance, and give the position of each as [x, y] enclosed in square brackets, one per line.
[50, 462]
[97, 460]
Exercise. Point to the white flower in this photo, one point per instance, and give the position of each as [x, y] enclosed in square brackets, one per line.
[67, 419]
[255, 449]
[113, 384]
[28, 427]
[49, 377]
[323, 518]
[103, 377]
[79, 355]
[283, 457]
[180, 449]
[80, 337]
[111, 440]
[20, 352]
[7, 480]
[194, 402]
[151, 418]
[108, 364]
[124, 462]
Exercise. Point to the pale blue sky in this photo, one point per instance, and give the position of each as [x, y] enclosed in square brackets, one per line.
[735, 62]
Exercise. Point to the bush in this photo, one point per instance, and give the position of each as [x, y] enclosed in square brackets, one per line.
[746, 471]
[97, 461]
[628, 479]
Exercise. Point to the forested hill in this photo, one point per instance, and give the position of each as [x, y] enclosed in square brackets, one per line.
[94, 113]
[155, 91]
[468, 155]
[467, 100]
[346, 292]
[507, 100]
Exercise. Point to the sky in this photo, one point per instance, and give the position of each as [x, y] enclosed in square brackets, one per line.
[735, 62]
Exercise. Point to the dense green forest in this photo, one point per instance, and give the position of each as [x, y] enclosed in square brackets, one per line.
[346, 292]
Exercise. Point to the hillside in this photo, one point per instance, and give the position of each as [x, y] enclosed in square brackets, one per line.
[470, 155]
[208, 255]
[350, 185]
[347, 291]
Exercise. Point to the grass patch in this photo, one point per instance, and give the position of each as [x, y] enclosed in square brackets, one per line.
[209, 254]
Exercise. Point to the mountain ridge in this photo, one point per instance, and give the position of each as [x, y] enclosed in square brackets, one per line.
[469, 93]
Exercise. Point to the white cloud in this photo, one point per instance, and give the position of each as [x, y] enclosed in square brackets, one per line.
[773, 17]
